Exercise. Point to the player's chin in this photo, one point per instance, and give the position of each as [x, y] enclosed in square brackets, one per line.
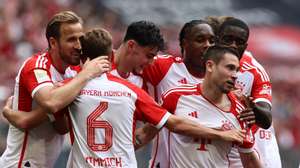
[228, 88]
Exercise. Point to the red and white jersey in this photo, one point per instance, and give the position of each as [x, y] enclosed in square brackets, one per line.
[39, 146]
[165, 73]
[104, 117]
[187, 101]
[131, 77]
[254, 81]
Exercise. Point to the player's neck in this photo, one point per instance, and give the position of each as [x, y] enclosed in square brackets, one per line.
[57, 62]
[211, 92]
[194, 70]
[215, 96]
[121, 63]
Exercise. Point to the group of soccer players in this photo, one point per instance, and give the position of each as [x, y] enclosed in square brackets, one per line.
[215, 100]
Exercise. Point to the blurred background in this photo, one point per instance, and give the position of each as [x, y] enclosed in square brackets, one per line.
[274, 41]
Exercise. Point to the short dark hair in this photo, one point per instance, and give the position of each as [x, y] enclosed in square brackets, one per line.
[216, 21]
[231, 21]
[187, 27]
[96, 42]
[216, 53]
[145, 33]
[53, 26]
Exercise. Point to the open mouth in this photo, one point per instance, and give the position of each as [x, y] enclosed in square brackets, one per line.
[230, 83]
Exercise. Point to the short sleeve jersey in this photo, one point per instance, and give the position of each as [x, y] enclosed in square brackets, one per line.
[188, 101]
[104, 117]
[38, 146]
[164, 73]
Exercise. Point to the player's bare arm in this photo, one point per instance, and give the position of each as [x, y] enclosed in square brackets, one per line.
[28, 120]
[190, 128]
[21, 119]
[54, 99]
[259, 113]
[61, 123]
[144, 135]
[250, 160]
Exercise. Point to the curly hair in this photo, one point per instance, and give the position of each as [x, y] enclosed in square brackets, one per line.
[187, 27]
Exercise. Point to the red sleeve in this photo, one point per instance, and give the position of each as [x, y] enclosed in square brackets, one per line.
[155, 72]
[35, 76]
[149, 110]
[170, 100]
[146, 108]
[261, 88]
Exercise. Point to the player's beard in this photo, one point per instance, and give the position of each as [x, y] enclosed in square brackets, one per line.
[225, 88]
[71, 59]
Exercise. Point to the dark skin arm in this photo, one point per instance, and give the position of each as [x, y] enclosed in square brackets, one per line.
[258, 113]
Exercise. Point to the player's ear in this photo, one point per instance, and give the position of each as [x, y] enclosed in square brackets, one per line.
[209, 65]
[53, 42]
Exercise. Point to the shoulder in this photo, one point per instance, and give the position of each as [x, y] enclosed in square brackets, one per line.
[249, 63]
[123, 82]
[181, 90]
[36, 61]
[168, 58]
[39, 60]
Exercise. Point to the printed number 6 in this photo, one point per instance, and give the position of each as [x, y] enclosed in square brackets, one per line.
[93, 124]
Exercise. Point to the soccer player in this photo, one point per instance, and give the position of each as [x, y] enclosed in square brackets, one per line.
[212, 104]
[39, 147]
[168, 71]
[104, 115]
[253, 81]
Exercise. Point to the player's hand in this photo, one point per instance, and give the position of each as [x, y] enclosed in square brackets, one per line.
[238, 93]
[247, 115]
[8, 106]
[234, 135]
[96, 67]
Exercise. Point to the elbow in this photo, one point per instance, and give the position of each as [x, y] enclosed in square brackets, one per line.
[266, 122]
[24, 124]
[176, 125]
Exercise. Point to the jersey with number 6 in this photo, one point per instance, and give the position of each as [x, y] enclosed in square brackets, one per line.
[103, 118]
[188, 101]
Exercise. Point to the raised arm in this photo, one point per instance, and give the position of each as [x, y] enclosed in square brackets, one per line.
[55, 98]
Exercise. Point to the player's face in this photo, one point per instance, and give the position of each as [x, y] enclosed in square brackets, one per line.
[196, 43]
[235, 37]
[69, 47]
[224, 73]
[141, 56]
